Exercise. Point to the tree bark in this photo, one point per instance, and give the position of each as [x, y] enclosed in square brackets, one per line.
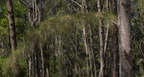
[11, 25]
[124, 24]
[86, 50]
[101, 72]
[42, 62]
[13, 42]
[88, 61]
[92, 51]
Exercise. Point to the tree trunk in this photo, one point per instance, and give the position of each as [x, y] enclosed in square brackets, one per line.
[124, 24]
[101, 72]
[42, 62]
[12, 34]
[11, 25]
[88, 61]
[92, 51]
[86, 50]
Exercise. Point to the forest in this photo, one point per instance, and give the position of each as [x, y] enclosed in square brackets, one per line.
[71, 38]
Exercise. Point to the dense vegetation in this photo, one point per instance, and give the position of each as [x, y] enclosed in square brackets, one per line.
[71, 38]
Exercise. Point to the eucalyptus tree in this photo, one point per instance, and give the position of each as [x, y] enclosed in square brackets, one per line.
[124, 24]
[12, 28]
[101, 37]
[12, 25]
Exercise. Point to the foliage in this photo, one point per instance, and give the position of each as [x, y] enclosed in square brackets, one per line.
[61, 40]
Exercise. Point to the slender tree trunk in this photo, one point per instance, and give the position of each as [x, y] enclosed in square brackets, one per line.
[13, 43]
[11, 25]
[35, 65]
[106, 40]
[42, 62]
[106, 64]
[47, 72]
[29, 67]
[92, 51]
[88, 61]
[107, 31]
[101, 72]
[86, 49]
[124, 24]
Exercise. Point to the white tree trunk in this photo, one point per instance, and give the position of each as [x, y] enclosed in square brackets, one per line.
[124, 24]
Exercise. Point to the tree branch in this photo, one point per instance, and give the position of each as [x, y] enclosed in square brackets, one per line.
[27, 6]
[77, 3]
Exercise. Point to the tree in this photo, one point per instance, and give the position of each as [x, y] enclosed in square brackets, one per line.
[34, 11]
[76, 38]
[11, 25]
[125, 49]
[12, 34]
[101, 37]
